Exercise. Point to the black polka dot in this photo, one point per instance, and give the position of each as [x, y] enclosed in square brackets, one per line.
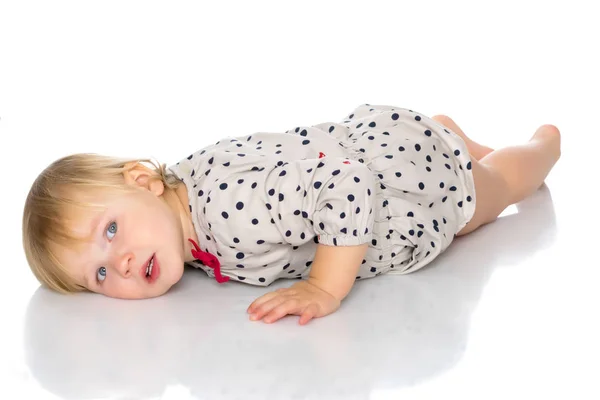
[372, 124]
[317, 185]
[469, 165]
[418, 118]
[223, 186]
[469, 198]
[421, 185]
[428, 132]
[417, 147]
[401, 148]
[239, 255]
[350, 197]
[456, 152]
[239, 205]
[225, 215]
[395, 116]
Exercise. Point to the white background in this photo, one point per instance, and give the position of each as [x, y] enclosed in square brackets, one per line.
[162, 79]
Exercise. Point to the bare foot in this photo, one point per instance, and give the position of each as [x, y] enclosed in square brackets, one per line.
[550, 135]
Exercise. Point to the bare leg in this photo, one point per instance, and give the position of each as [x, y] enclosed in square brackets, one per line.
[509, 175]
[475, 149]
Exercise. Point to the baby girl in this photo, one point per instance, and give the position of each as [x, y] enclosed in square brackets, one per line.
[383, 191]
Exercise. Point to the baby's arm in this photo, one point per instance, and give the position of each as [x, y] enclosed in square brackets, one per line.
[332, 275]
[334, 268]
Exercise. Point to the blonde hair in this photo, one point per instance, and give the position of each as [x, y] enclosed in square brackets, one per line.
[53, 195]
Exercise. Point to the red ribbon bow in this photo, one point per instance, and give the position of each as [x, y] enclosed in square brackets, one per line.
[210, 261]
[321, 155]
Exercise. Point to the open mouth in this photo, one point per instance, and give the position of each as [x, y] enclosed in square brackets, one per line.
[149, 267]
[152, 269]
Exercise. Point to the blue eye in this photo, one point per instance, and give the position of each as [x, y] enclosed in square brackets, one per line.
[101, 273]
[112, 228]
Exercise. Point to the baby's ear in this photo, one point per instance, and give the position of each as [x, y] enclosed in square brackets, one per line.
[138, 174]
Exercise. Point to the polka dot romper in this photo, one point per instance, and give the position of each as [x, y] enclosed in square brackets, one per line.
[386, 176]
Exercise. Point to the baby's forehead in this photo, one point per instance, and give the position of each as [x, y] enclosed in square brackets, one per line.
[82, 222]
[73, 255]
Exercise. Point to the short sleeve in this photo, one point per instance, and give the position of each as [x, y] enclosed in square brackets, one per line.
[332, 197]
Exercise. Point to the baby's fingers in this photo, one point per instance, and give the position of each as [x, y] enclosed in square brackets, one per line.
[262, 309]
[262, 300]
[290, 306]
[309, 312]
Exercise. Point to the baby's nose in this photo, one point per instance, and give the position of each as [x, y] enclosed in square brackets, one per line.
[124, 264]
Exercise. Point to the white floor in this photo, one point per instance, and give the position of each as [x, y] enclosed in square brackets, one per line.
[510, 311]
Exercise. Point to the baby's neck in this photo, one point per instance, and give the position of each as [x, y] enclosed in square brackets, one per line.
[182, 210]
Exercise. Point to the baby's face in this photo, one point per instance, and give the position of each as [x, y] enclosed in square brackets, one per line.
[134, 231]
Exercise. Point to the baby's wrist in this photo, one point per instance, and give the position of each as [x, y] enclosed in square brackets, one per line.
[325, 288]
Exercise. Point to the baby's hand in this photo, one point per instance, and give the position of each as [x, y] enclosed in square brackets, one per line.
[302, 298]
